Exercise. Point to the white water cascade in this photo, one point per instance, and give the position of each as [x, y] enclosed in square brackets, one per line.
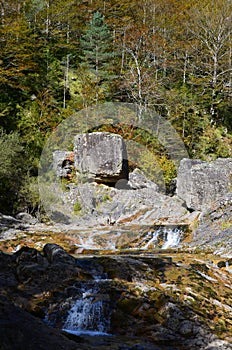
[163, 237]
[171, 238]
[152, 239]
[89, 315]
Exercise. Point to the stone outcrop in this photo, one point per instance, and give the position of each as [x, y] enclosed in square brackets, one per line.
[7, 220]
[26, 218]
[201, 183]
[214, 230]
[55, 253]
[102, 156]
[63, 163]
[103, 205]
[137, 180]
[21, 330]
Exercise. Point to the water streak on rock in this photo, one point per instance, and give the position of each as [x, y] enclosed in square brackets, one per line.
[153, 238]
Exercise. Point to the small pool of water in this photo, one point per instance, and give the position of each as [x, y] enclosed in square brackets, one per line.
[86, 332]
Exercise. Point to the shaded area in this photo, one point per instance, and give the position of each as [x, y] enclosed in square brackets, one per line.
[157, 302]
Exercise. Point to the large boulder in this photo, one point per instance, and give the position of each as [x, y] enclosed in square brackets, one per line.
[201, 183]
[102, 156]
[7, 221]
[54, 253]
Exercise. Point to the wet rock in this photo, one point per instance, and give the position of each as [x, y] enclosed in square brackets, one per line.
[8, 278]
[102, 155]
[31, 255]
[200, 183]
[186, 328]
[147, 294]
[30, 264]
[26, 271]
[54, 253]
[20, 330]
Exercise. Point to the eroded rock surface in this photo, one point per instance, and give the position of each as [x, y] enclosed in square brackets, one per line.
[101, 159]
[214, 230]
[102, 156]
[200, 183]
[63, 163]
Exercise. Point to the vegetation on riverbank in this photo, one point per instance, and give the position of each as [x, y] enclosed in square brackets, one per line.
[58, 57]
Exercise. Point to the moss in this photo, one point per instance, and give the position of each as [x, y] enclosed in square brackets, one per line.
[226, 224]
[77, 208]
[65, 185]
[128, 305]
[106, 197]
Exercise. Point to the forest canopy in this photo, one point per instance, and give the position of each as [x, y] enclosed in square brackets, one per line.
[60, 56]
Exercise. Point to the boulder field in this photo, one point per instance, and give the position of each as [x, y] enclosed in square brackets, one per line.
[92, 186]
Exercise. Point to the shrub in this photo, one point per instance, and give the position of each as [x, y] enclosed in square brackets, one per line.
[12, 168]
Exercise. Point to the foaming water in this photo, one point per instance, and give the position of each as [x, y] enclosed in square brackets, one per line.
[153, 238]
[157, 236]
[172, 238]
[169, 236]
[91, 240]
[89, 315]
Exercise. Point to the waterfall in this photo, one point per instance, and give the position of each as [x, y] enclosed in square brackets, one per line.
[171, 238]
[90, 314]
[153, 238]
[168, 236]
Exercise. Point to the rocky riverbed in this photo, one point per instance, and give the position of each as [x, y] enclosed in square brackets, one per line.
[130, 268]
[143, 293]
[208, 231]
[170, 300]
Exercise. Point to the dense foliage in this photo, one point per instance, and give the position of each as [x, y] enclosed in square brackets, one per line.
[57, 57]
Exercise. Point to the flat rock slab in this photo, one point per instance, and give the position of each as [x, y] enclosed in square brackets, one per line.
[102, 155]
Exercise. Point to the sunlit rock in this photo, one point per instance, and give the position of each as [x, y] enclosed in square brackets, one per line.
[137, 180]
[200, 183]
[102, 155]
[63, 163]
